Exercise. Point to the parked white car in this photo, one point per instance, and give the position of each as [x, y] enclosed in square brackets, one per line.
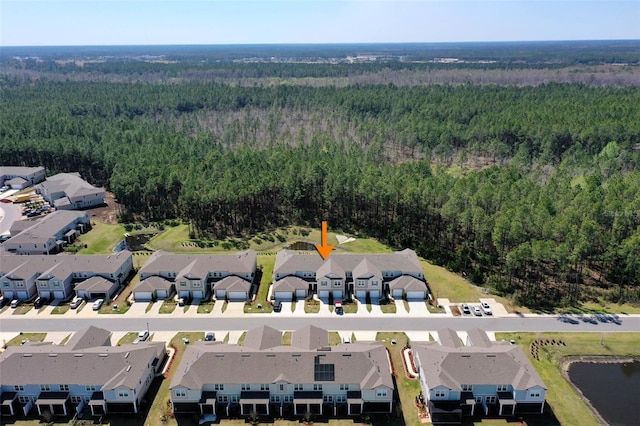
[98, 304]
[486, 309]
[75, 303]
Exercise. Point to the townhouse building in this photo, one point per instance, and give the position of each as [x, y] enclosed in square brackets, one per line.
[56, 277]
[18, 177]
[226, 276]
[264, 377]
[47, 235]
[85, 374]
[68, 191]
[476, 377]
[343, 276]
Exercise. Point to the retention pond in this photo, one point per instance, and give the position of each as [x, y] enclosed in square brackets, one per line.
[612, 388]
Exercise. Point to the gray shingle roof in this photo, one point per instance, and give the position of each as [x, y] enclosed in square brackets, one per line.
[232, 283]
[199, 264]
[71, 184]
[408, 283]
[153, 283]
[452, 366]
[108, 366]
[263, 337]
[90, 337]
[289, 262]
[95, 284]
[310, 337]
[290, 283]
[209, 363]
[46, 228]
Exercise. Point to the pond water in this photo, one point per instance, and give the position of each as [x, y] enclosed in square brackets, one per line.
[302, 246]
[612, 388]
[136, 242]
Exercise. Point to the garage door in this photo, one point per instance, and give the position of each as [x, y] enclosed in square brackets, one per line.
[374, 294]
[198, 294]
[8, 294]
[323, 294]
[161, 294]
[221, 294]
[184, 293]
[415, 295]
[45, 294]
[22, 295]
[361, 294]
[237, 295]
[301, 294]
[337, 294]
[142, 296]
[58, 294]
[397, 293]
[285, 296]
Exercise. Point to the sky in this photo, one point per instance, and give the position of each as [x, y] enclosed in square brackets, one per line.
[139, 22]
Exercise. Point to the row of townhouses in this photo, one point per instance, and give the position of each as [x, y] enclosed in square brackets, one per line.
[475, 377]
[85, 374]
[295, 275]
[63, 276]
[68, 191]
[47, 235]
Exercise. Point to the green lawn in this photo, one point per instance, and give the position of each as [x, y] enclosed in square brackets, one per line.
[567, 406]
[206, 307]
[267, 263]
[350, 307]
[60, 309]
[407, 388]
[168, 306]
[31, 337]
[128, 338]
[22, 309]
[101, 239]
[334, 338]
[311, 306]
[388, 307]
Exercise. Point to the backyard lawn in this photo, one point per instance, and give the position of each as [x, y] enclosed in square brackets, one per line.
[101, 239]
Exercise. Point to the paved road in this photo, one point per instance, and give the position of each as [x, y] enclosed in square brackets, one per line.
[121, 323]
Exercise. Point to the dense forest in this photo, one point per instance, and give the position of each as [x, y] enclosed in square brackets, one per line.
[533, 190]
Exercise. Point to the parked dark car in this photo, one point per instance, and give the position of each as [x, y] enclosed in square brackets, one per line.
[277, 306]
[38, 302]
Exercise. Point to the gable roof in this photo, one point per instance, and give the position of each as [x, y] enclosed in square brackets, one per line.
[451, 365]
[153, 283]
[408, 283]
[203, 363]
[80, 364]
[71, 184]
[95, 284]
[290, 283]
[310, 337]
[232, 283]
[263, 337]
[199, 264]
[89, 337]
[46, 228]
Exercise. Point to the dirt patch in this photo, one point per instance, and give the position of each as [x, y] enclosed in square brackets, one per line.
[106, 214]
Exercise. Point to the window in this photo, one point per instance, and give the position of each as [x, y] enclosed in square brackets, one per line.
[317, 386]
[183, 283]
[440, 394]
[18, 388]
[264, 387]
[223, 398]
[502, 388]
[297, 387]
[337, 283]
[534, 395]
[235, 398]
[490, 399]
[19, 284]
[467, 388]
[362, 283]
[181, 393]
[218, 387]
[288, 398]
[274, 398]
[380, 392]
[281, 387]
[344, 387]
[23, 399]
[42, 284]
[76, 399]
[45, 387]
[90, 387]
[196, 284]
[64, 388]
[123, 393]
[478, 399]
[327, 398]
[245, 387]
[56, 283]
[323, 283]
[374, 283]
[341, 398]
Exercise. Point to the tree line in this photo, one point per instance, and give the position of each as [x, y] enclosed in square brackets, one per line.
[555, 220]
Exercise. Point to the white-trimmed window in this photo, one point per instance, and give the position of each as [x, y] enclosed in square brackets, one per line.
[288, 398]
[90, 387]
[18, 388]
[440, 394]
[534, 394]
[64, 388]
[274, 398]
[502, 388]
[181, 393]
[23, 399]
[323, 283]
[344, 387]
[491, 399]
[317, 387]
[75, 399]
[381, 392]
[245, 387]
[264, 387]
[235, 398]
[218, 387]
[298, 387]
[467, 388]
[341, 398]
[123, 393]
[327, 398]
[362, 283]
[337, 283]
[223, 398]
[45, 388]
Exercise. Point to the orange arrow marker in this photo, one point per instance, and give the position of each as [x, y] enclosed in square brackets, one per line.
[324, 249]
